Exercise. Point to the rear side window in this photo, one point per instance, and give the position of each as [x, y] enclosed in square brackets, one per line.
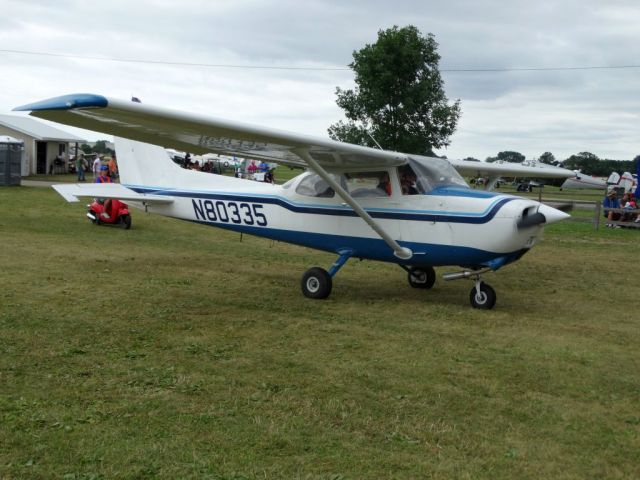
[368, 184]
[314, 186]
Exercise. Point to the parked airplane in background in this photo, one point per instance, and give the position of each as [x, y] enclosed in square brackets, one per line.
[354, 201]
[581, 181]
[491, 172]
[625, 181]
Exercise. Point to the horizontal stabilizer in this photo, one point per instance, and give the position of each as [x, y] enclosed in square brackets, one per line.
[72, 192]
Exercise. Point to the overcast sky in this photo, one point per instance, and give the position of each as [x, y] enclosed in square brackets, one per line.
[564, 112]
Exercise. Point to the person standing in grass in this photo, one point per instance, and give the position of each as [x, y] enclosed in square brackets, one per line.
[96, 167]
[113, 167]
[80, 165]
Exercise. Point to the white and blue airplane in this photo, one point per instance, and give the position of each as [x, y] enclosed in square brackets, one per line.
[354, 201]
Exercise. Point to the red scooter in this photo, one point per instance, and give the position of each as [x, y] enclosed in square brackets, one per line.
[118, 215]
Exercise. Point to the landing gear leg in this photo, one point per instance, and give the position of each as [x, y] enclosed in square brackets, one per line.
[317, 282]
[481, 296]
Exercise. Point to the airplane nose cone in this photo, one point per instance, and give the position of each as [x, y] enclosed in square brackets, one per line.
[552, 215]
[542, 215]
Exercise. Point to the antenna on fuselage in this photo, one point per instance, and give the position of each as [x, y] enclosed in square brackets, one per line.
[374, 140]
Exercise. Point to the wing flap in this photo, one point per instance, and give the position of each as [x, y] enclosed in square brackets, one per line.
[72, 192]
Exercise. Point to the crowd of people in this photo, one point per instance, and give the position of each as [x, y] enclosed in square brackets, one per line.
[99, 166]
[620, 209]
[252, 171]
[206, 166]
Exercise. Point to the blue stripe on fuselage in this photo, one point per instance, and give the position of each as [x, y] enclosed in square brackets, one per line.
[427, 216]
[462, 192]
[376, 249]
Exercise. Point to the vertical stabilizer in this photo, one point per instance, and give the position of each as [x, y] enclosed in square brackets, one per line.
[143, 164]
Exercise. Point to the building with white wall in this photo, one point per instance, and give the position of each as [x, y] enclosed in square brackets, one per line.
[46, 148]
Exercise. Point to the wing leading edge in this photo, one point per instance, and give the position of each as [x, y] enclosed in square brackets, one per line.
[203, 134]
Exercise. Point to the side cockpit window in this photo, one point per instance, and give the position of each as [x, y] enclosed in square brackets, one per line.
[408, 181]
[433, 173]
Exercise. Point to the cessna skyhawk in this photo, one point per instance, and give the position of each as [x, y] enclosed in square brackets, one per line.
[354, 201]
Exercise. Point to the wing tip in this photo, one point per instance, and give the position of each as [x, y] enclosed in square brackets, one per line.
[66, 102]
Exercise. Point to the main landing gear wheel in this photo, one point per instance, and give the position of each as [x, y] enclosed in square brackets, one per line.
[316, 283]
[482, 296]
[421, 277]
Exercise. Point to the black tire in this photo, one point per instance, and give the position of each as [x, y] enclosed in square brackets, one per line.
[316, 283]
[421, 277]
[485, 300]
[126, 221]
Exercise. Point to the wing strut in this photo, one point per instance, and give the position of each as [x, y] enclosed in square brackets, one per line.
[399, 251]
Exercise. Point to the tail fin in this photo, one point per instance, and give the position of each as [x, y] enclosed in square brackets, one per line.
[144, 164]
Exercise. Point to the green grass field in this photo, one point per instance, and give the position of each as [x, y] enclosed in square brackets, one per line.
[175, 350]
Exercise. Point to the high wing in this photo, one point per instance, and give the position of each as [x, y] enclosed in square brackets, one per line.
[203, 134]
[72, 192]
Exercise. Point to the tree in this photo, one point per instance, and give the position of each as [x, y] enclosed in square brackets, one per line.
[399, 96]
[587, 162]
[548, 158]
[101, 147]
[508, 156]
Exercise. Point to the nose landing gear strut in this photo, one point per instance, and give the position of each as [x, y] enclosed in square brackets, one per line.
[482, 295]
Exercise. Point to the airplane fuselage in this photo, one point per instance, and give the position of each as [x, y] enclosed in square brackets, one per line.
[450, 226]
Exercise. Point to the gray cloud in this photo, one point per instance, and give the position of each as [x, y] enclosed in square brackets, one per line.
[532, 112]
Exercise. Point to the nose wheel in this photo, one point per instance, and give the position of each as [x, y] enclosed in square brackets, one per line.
[482, 296]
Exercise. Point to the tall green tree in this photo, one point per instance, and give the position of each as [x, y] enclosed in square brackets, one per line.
[548, 158]
[508, 156]
[399, 97]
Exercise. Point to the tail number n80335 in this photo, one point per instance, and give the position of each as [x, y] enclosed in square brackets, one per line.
[229, 212]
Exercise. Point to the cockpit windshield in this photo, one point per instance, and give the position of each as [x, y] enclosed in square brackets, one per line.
[432, 173]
